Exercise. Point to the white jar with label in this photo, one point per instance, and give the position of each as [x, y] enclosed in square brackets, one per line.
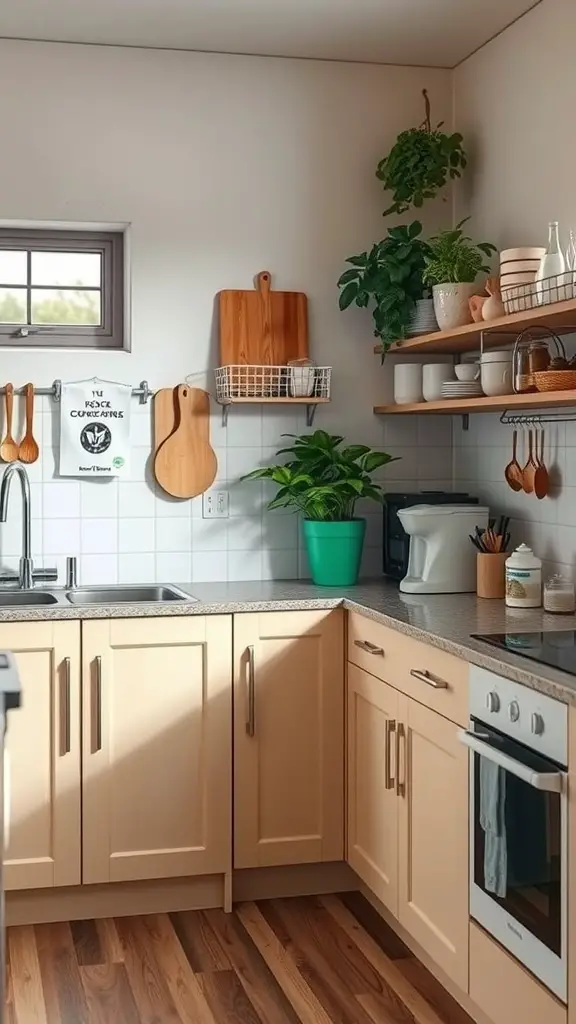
[523, 579]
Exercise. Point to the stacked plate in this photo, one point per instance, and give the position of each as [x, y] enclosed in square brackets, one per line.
[461, 389]
[423, 320]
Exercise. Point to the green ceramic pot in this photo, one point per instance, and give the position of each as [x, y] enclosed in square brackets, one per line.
[335, 551]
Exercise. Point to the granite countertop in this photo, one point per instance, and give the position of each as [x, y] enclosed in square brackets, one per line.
[443, 620]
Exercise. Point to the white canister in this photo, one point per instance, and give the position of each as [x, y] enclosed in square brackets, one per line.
[496, 373]
[407, 383]
[523, 579]
[433, 377]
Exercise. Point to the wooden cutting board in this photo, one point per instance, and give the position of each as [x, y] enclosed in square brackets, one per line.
[262, 327]
[185, 464]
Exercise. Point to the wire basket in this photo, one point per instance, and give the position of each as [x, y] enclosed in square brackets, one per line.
[272, 382]
[522, 298]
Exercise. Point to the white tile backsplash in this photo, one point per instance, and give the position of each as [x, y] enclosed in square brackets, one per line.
[131, 531]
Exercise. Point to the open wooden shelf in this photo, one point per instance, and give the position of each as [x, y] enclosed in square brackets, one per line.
[455, 406]
[560, 316]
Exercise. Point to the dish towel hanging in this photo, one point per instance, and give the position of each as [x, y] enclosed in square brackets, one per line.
[95, 428]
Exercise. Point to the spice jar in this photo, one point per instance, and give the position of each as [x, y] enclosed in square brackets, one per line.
[523, 579]
[538, 356]
[559, 595]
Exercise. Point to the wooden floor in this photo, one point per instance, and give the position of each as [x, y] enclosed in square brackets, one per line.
[312, 960]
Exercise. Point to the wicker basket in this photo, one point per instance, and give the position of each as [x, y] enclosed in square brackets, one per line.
[555, 380]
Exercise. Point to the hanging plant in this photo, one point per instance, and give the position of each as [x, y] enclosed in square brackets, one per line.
[420, 163]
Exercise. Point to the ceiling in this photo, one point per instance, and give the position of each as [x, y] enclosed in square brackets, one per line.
[437, 33]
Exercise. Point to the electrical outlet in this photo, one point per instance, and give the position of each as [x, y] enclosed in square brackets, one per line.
[215, 504]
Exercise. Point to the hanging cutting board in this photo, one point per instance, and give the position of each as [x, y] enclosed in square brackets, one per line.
[185, 464]
[262, 327]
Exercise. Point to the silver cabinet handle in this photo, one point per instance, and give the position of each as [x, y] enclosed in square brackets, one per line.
[429, 679]
[364, 645]
[390, 727]
[400, 744]
[66, 707]
[251, 717]
[98, 663]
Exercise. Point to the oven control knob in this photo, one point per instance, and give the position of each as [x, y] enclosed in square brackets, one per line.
[493, 702]
[513, 711]
[537, 724]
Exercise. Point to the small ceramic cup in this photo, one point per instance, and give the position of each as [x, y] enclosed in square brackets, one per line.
[433, 377]
[407, 383]
[467, 371]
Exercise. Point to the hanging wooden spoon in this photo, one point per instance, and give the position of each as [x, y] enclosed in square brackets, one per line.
[9, 448]
[28, 451]
[513, 472]
[541, 478]
[529, 471]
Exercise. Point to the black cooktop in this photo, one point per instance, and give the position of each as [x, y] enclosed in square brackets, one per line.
[556, 647]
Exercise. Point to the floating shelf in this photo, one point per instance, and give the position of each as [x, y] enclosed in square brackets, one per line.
[560, 316]
[457, 406]
[310, 404]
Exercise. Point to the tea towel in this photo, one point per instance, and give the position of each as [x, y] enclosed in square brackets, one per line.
[95, 428]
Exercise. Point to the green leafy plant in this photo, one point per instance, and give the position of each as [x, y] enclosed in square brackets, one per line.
[390, 276]
[454, 258]
[420, 163]
[322, 479]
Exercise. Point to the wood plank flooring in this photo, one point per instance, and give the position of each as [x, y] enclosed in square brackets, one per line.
[307, 960]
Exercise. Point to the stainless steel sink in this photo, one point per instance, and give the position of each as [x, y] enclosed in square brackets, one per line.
[126, 595]
[25, 598]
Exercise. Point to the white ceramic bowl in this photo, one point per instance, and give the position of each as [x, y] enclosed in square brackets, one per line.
[527, 252]
[496, 378]
[466, 371]
[497, 355]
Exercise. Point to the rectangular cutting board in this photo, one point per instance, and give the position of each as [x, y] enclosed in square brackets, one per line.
[262, 327]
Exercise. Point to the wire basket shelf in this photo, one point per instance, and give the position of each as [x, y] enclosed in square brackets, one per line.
[524, 297]
[304, 382]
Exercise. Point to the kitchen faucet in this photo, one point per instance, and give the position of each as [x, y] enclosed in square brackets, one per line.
[27, 575]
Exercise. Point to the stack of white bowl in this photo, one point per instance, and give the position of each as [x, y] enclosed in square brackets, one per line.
[518, 269]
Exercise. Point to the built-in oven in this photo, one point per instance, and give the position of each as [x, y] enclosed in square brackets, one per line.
[518, 822]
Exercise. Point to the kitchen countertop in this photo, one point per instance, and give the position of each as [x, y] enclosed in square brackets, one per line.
[443, 620]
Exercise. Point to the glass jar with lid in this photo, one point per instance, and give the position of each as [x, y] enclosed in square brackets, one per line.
[538, 356]
[559, 595]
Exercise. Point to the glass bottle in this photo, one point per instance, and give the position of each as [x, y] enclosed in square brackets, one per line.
[549, 277]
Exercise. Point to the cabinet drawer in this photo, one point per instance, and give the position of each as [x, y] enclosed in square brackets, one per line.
[428, 675]
[504, 990]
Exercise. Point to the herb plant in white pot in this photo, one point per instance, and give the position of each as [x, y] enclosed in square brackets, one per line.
[453, 263]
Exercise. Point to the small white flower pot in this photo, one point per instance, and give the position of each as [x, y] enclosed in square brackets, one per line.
[451, 304]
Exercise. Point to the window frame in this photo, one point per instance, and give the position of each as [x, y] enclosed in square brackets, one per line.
[110, 245]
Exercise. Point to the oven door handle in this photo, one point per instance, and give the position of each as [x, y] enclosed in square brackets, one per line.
[551, 782]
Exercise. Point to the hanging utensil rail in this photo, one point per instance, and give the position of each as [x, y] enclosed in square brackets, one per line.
[524, 419]
[142, 392]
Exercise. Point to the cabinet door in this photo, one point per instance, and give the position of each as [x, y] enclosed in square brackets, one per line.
[289, 738]
[433, 838]
[372, 799]
[43, 744]
[156, 747]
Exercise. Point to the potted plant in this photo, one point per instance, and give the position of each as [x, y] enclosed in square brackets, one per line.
[323, 479]
[453, 263]
[389, 276]
[420, 163]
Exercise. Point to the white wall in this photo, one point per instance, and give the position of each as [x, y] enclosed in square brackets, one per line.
[223, 166]
[514, 103]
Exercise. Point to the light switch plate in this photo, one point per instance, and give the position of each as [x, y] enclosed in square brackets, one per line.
[215, 504]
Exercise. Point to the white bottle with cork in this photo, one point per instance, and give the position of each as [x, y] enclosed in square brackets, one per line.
[523, 579]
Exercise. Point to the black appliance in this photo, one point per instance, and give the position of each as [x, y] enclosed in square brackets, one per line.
[554, 647]
[396, 542]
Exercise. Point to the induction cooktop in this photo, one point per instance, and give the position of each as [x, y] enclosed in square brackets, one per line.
[556, 647]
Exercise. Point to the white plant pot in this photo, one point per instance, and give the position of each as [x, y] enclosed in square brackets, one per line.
[451, 304]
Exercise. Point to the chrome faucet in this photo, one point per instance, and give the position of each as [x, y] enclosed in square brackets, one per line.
[27, 576]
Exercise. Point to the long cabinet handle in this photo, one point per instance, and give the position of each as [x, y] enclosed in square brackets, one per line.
[390, 727]
[251, 716]
[400, 760]
[98, 664]
[365, 645]
[66, 708]
[430, 680]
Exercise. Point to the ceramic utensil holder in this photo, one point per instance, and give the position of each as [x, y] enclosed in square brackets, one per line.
[490, 576]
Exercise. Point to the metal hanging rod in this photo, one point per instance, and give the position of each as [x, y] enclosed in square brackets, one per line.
[142, 392]
[529, 419]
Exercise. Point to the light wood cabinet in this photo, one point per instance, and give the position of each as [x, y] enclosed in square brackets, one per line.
[43, 744]
[372, 802]
[156, 747]
[433, 894]
[288, 738]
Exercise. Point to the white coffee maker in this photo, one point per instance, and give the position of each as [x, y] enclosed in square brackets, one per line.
[442, 558]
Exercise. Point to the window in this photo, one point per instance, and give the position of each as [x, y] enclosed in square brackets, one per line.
[62, 289]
